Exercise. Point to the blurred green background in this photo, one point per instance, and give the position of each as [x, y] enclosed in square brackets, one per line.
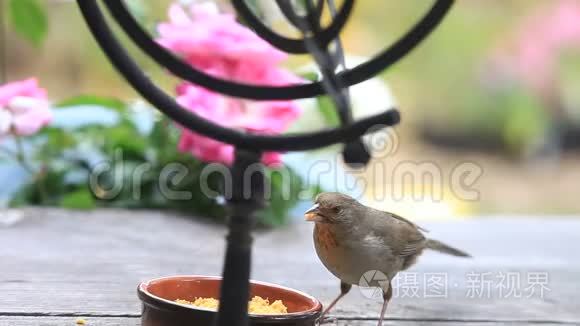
[459, 104]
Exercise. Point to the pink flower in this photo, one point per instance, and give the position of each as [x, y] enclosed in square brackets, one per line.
[539, 41]
[215, 43]
[24, 108]
[257, 117]
[205, 37]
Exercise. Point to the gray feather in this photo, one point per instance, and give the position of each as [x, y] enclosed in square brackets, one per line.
[443, 248]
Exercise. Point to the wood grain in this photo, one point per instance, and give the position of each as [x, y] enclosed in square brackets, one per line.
[108, 321]
[62, 263]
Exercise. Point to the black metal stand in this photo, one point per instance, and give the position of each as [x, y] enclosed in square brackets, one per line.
[247, 195]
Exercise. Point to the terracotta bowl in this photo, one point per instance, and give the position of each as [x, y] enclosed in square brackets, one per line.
[160, 309]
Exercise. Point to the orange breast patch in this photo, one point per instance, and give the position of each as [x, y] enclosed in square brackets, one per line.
[324, 236]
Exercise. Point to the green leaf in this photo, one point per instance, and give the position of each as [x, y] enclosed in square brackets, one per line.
[55, 142]
[29, 20]
[160, 137]
[126, 138]
[108, 102]
[80, 199]
[311, 76]
[328, 111]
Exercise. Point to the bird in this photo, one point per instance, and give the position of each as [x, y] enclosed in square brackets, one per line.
[352, 239]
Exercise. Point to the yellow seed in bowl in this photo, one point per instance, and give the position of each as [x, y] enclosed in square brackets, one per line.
[257, 306]
[261, 306]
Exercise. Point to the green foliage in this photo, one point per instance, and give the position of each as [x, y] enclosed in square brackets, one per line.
[29, 20]
[328, 111]
[94, 160]
[311, 76]
[525, 121]
[79, 199]
[512, 118]
[86, 100]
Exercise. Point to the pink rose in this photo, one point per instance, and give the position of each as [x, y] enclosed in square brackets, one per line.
[24, 108]
[533, 52]
[256, 117]
[203, 35]
[215, 43]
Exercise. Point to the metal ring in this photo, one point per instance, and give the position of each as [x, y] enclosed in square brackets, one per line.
[346, 78]
[290, 45]
[288, 12]
[166, 104]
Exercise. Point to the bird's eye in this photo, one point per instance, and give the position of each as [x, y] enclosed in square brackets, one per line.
[336, 209]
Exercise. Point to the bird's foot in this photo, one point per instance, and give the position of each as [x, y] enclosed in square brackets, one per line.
[326, 320]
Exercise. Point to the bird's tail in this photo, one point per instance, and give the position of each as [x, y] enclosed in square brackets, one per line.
[443, 248]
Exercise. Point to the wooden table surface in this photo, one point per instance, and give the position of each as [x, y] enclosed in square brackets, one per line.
[57, 266]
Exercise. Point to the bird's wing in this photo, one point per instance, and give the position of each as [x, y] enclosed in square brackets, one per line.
[403, 236]
[415, 239]
[415, 244]
[402, 219]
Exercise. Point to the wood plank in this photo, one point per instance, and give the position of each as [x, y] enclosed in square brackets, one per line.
[67, 321]
[436, 323]
[89, 263]
[120, 321]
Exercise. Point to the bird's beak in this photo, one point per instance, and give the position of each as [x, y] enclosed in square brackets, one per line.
[313, 214]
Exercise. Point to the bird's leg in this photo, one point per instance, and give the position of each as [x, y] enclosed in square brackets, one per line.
[344, 288]
[387, 295]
